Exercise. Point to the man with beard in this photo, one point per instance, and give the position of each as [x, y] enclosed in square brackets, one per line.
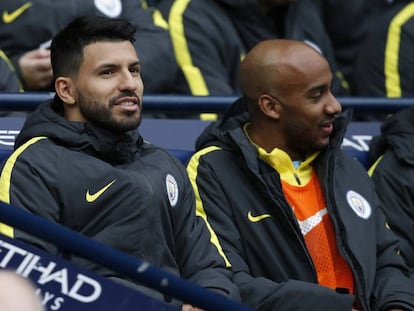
[297, 218]
[80, 161]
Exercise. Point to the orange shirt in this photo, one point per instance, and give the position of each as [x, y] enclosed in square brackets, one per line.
[310, 209]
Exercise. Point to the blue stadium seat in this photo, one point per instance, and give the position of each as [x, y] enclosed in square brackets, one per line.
[4, 153]
[182, 155]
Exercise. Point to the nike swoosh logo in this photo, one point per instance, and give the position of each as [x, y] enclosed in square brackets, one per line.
[312, 222]
[10, 17]
[92, 197]
[257, 218]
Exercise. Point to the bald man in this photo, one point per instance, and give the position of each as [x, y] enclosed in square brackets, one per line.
[295, 217]
[17, 293]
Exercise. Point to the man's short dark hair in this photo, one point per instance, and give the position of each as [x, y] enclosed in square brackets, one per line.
[68, 44]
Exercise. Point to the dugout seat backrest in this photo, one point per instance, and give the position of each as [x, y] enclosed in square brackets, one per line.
[4, 154]
[179, 135]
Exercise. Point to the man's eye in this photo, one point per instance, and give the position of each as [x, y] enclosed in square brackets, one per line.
[316, 94]
[107, 72]
[135, 70]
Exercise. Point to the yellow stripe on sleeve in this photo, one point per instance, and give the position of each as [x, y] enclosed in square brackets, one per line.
[192, 173]
[392, 49]
[182, 53]
[5, 179]
[9, 63]
[374, 166]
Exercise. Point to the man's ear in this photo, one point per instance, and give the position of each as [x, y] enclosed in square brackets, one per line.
[65, 90]
[270, 106]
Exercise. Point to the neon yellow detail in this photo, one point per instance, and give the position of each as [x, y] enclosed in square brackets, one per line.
[5, 179]
[192, 173]
[208, 116]
[10, 17]
[192, 74]
[374, 166]
[92, 197]
[159, 20]
[258, 217]
[392, 49]
[9, 63]
[342, 79]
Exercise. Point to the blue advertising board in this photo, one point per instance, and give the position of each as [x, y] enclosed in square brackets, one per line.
[65, 286]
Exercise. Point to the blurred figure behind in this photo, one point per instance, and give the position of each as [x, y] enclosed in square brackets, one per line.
[211, 37]
[385, 67]
[27, 27]
[17, 293]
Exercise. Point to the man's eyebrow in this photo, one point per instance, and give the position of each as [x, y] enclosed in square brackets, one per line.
[107, 65]
[114, 65]
[136, 63]
[320, 87]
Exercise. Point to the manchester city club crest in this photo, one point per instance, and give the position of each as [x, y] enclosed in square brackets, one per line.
[359, 204]
[172, 189]
[111, 8]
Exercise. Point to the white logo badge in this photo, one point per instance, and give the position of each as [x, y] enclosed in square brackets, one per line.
[172, 189]
[111, 8]
[359, 204]
[314, 45]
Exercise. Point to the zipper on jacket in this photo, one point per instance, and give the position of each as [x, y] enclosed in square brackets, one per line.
[341, 242]
[298, 233]
[289, 214]
[297, 178]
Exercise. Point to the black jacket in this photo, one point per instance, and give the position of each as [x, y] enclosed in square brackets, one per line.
[272, 266]
[346, 23]
[210, 37]
[115, 189]
[8, 78]
[385, 66]
[393, 176]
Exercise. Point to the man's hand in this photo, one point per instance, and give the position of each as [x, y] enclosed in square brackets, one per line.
[36, 69]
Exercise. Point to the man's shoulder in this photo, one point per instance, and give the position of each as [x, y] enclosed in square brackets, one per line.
[215, 155]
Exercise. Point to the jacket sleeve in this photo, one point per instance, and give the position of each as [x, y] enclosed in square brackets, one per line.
[153, 46]
[393, 287]
[206, 46]
[395, 191]
[258, 292]
[197, 252]
[28, 183]
[9, 82]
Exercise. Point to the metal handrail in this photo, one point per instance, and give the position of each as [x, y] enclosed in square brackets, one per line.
[133, 267]
[187, 103]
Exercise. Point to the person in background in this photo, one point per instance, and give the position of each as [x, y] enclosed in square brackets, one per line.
[9, 82]
[8, 78]
[211, 37]
[385, 66]
[297, 218]
[88, 168]
[392, 155]
[346, 23]
[18, 293]
[27, 27]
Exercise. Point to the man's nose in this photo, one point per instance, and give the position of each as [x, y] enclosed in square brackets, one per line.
[128, 82]
[334, 107]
